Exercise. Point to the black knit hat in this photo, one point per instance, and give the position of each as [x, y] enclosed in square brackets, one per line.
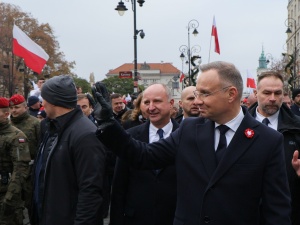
[60, 91]
[32, 100]
[295, 93]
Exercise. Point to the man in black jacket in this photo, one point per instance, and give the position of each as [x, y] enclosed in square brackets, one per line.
[69, 166]
[147, 197]
[269, 108]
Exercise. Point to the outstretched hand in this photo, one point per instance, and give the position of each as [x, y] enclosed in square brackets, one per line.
[103, 111]
[296, 162]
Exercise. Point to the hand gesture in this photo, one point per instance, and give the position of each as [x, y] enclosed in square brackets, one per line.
[103, 111]
[296, 162]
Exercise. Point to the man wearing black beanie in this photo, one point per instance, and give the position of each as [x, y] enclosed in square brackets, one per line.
[296, 98]
[69, 166]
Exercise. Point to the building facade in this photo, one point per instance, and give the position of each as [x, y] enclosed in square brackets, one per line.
[150, 73]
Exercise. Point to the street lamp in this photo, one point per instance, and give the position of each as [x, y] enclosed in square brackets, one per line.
[290, 22]
[121, 8]
[189, 56]
[193, 24]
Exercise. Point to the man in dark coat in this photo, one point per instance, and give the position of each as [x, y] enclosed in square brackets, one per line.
[296, 99]
[269, 105]
[34, 105]
[222, 177]
[187, 104]
[70, 162]
[147, 197]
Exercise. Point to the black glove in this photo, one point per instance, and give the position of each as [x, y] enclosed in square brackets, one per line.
[101, 88]
[91, 100]
[103, 111]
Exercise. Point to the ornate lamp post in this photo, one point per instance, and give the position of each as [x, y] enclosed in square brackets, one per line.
[290, 22]
[193, 24]
[190, 57]
[121, 8]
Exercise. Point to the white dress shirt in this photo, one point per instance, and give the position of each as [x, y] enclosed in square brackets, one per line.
[233, 125]
[153, 135]
[273, 119]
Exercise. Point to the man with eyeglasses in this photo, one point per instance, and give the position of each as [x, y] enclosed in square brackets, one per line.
[228, 164]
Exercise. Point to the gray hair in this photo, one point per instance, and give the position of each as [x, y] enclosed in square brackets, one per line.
[228, 74]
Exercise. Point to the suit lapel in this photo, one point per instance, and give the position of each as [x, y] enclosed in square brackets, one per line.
[142, 133]
[205, 144]
[237, 147]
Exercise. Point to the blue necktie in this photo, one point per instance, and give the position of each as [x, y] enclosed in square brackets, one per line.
[160, 133]
[265, 121]
[222, 142]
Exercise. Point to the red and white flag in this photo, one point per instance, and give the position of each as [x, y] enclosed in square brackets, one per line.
[181, 77]
[214, 33]
[34, 56]
[250, 81]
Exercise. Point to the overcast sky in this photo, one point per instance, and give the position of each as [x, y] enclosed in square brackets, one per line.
[93, 34]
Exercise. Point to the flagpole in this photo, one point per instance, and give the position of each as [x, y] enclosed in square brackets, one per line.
[12, 74]
[209, 49]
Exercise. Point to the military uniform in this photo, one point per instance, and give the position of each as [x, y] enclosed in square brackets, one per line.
[14, 169]
[30, 126]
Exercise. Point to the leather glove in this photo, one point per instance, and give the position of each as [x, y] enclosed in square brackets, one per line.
[91, 100]
[101, 88]
[103, 111]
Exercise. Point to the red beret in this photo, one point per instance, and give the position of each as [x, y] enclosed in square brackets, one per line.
[16, 99]
[4, 103]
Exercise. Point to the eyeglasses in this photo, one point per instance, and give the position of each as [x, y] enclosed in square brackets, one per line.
[202, 96]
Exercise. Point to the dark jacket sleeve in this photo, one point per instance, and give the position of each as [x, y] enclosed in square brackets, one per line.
[140, 155]
[89, 161]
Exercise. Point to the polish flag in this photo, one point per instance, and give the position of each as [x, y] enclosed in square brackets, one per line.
[214, 33]
[34, 56]
[250, 81]
[181, 77]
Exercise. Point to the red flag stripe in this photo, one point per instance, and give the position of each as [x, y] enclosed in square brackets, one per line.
[181, 77]
[31, 60]
[214, 33]
[34, 56]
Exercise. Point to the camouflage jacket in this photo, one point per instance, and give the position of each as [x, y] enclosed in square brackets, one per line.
[30, 126]
[14, 167]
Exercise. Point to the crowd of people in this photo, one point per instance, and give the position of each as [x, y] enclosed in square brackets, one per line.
[76, 158]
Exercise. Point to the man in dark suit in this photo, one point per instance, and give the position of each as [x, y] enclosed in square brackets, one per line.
[270, 110]
[147, 197]
[222, 177]
[187, 103]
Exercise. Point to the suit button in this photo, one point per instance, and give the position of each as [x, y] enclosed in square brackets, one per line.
[206, 219]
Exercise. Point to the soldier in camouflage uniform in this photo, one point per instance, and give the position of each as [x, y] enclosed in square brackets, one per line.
[30, 126]
[14, 168]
